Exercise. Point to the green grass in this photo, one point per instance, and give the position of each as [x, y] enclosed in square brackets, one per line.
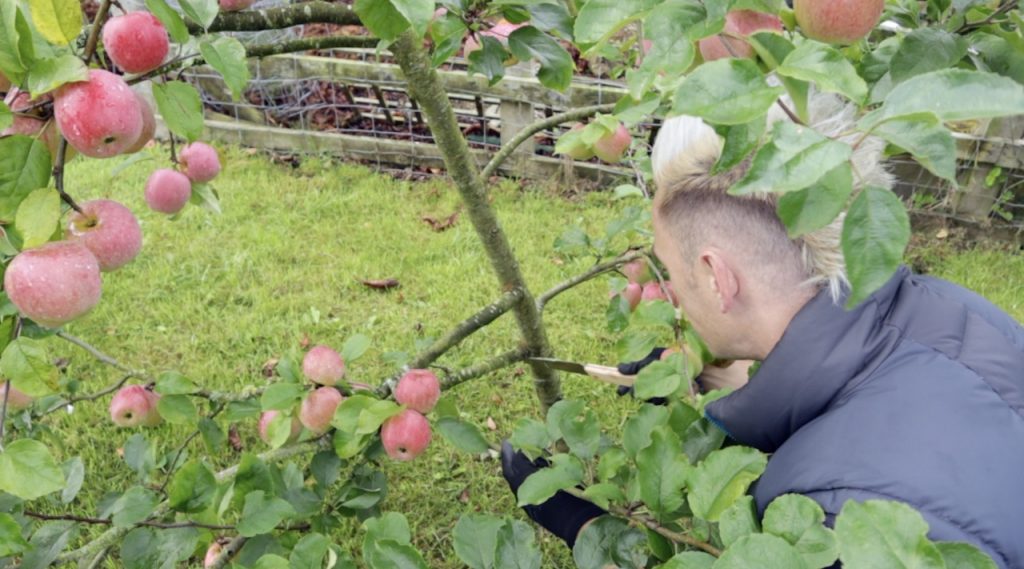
[215, 297]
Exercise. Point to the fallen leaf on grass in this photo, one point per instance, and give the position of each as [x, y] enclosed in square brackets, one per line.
[234, 439]
[381, 284]
[442, 224]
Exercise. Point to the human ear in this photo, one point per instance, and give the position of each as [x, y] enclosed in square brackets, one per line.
[723, 279]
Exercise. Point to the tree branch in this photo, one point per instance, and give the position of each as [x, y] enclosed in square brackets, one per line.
[532, 129]
[94, 33]
[472, 372]
[307, 44]
[228, 551]
[94, 352]
[594, 271]
[88, 397]
[316, 12]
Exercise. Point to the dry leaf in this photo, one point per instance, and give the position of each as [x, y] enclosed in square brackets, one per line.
[234, 439]
[444, 224]
[269, 367]
[382, 284]
[491, 424]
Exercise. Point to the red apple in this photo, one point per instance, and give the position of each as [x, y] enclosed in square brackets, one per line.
[264, 425]
[499, 31]
[738, 23]
[837, 21]
[637, 271]
[134, 406]
[633, 294]
[611, 147]
[100, 117]
[148, 126]
[55, 283]
[136, 42]
[323, 365]
[16, 400]
[318, 408]
[418, 389]
[212, 554]
[200, 162]
[235, 5]
[652, 291]
[405, 435]
[109, 230]
[167, 191]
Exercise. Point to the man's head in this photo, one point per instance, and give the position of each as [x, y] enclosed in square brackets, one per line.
[739, 277]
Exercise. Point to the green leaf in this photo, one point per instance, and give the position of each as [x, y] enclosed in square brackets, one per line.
[599, 19]
[689, 560]
[11, 540]
[417, 12]
[59, 21]
[576, 423]
[722, 478]
[530, 436]
[489, 60]
[387, 554]
[875, 233]
[74, 475]
[668, 27]
[740, 141]
[773, 48]
[272, 561]
[815, 207]
[924, 50]
[739, 520]
[262, 514]
[227, 56]
[24, 167]
[795, 158]
[355, 347]
[213, 435]
[203, 12]
[309, 552]
[556, 65]
[241, 410]
[462, 435]
[6, 116]
[636, 344]
[139, 549]
[1001, 55]
[662, 472]
[604, 493]
[552, 18]
[134, 506]
[800, 521]
[826, 67]
[47, 543]
[381, 17]
[636, 434]
[447, 33]
[761, 550]
[37, 217]
[139, 455]
[476, 539]
[374, 415]
[879, 533]
[923, 136]
[181, 108]
[281, 396]
[171, 20]
[13, 62]
[192, 489]
[659, 379]
[964, 556]
[565, 472]
[573, 240]
[952, 95]
[27, 364]
[612, 462]
[48, 74]
[392, 526]
[279, 430]
[204, 196]
[516, 547]
[610, 542]
[701, 438]
[177, 409]
[725, 91]
[174, 383]
[655, 313]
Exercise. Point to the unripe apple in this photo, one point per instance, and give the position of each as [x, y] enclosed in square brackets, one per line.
[418, 389]
[100, 117]
[136, 42]
[323, 365]
[134, 406]
[637, 271]
[580, 151]
[109, 230]
[405, 435]
[167, 191]
[738, 23]
[837, 21]
[265, 420]
[200, 162]
[611, 147]
[148, 126]
[652, 291]
[16, 400]
[55, 283]
[235, 5]
[212, 553]
[318, 408]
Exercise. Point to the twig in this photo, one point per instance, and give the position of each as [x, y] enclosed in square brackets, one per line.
[465, 374]
[228, 551]
[94, 33]
[534, 128]
[177, 455]
[94, 352]
[789, 112]
[89, 397]
[58, 173]
[1005, 8]
[594, 271]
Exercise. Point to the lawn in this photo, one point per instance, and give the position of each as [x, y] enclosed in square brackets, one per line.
[217, 296]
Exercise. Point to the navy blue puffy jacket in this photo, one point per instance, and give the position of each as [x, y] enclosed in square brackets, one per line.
[916, 395]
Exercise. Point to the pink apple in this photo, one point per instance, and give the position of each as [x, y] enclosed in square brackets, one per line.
[30, 123]
[55, 283]
[148, 126]
[200, 162]
[652, 291]
[235, 5]
[100, 117]
[637, 271]
[633, 293]
[405, 435]
[109, 230]
[837, 21]
[265, 420]
[16, 400]
[738, 23]
[136, 42]
[418, 389]
[323, 365]
[167, 191]
[134, 406]
[212, 554]
[611, 147]
[499, 31]
[318, 408]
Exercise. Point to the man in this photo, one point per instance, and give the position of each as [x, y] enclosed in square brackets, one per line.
[915, 395]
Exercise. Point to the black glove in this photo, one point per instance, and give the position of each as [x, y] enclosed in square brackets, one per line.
[633, 368]
[563, 514]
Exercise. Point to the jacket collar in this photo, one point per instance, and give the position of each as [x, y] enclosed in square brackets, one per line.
[822, 349]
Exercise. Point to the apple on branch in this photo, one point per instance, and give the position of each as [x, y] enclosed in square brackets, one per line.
[418, 389]
[99, 117]
[55, 283]
[737, 23]
[264, 427]
[199, 162]
[318, 408]
[136, 42]
[323, 365]
[405, 435]
[109, 230]
[837, 21]
[167, 191]
[135, 406]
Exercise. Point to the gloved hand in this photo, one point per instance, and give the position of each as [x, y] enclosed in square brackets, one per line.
[633, 368]
[563, 514]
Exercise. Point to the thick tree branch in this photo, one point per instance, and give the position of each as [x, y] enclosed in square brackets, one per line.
[594, 271]
[228, 551]
[483, 368]
[530, 130]
[307, 44]
[281, 17]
